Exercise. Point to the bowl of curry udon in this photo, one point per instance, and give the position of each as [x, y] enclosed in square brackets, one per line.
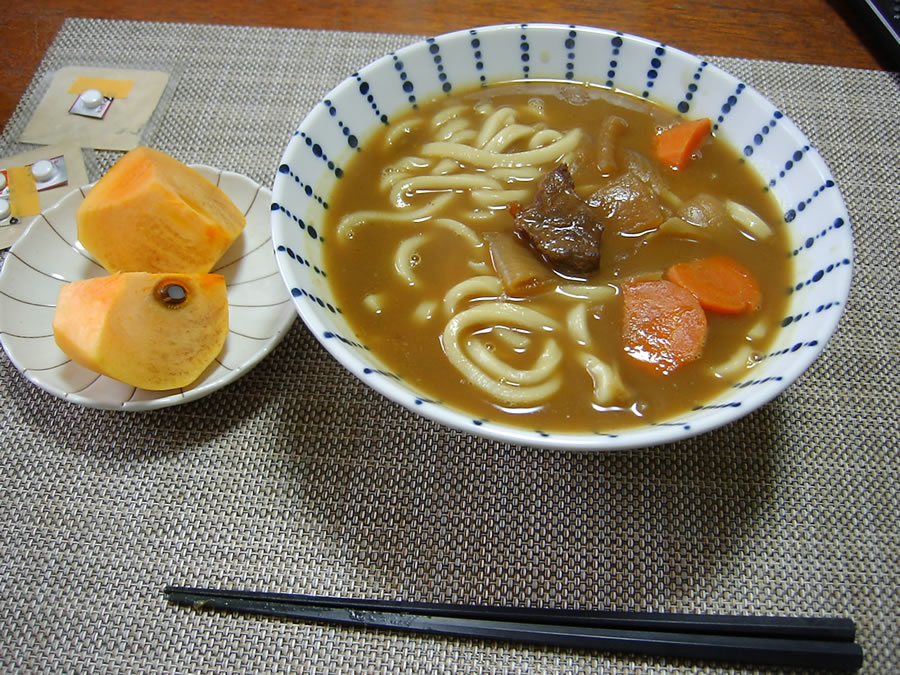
[561, 236]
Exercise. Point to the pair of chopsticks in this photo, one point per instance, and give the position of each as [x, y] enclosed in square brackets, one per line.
[813, 642]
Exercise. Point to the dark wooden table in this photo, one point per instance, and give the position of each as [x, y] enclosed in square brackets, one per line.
[809, 31]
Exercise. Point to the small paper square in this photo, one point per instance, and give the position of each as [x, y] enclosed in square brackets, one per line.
[121, 127]
[69, 174]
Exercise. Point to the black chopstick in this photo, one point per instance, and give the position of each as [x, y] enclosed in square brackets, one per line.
[813, 642]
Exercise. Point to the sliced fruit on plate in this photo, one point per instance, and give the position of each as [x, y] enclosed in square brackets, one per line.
[153, 331]
[151, 213]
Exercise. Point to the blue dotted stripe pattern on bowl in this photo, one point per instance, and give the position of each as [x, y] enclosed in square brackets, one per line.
[569, 45]
[365, 91]
[813, 239]
[789, 164]
[352, 140]
[684, 105]
[435, 50]
[656, 63]
[616, 43]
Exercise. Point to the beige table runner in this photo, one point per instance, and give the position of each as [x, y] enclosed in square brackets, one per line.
[297, 478]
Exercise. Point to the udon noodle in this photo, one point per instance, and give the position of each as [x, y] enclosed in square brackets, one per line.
[420, 282]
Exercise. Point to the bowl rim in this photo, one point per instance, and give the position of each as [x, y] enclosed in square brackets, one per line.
[664, 432]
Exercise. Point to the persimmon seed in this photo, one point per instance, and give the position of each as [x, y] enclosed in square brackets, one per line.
[171, 293]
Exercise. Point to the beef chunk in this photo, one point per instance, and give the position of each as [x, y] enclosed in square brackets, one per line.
[564, 229]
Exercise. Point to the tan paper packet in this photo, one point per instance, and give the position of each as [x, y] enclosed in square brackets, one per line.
[120, 128]
[10, 231]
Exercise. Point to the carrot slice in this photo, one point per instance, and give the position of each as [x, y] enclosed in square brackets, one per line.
[721, 284]
[677, 145]
[664, 327]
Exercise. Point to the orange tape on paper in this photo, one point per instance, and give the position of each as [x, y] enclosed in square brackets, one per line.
[23, 194]
[110, 88]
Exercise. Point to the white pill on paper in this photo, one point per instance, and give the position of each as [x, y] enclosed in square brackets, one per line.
[43, 170]
[91, 98]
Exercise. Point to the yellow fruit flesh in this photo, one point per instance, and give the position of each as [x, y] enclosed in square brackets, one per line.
[80, 313]
[151, 213]
[118, 326]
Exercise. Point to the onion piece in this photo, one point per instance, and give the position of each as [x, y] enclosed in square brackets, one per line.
[520, 270]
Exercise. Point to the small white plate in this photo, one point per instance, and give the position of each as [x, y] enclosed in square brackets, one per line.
[48, 255]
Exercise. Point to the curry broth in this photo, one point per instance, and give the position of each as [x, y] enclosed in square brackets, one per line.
[413, 349]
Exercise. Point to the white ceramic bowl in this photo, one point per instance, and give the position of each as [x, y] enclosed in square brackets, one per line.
[338, 127]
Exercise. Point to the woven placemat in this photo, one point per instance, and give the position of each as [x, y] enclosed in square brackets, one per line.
[298, 478]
